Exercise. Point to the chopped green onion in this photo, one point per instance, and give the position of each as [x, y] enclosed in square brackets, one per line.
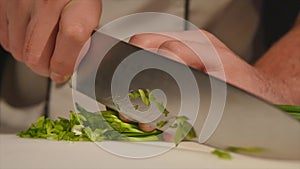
[245, 149]
[106, 125]
[161, 124]
[222, 154]
[144, 97]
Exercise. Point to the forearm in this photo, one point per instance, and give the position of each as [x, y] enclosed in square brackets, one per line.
[282, 64]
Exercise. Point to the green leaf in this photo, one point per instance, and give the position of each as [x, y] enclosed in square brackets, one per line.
[90, 134]
[166, 112]
[222, 154]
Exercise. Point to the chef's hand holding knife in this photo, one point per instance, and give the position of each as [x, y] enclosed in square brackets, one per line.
[47, 35]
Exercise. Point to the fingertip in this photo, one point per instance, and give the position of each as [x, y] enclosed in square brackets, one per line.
[61, 67]
[125, 118]
[59, 78]
[146, 127]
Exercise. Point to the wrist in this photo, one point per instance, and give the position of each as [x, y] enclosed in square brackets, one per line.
[261, 85]
[276, 90]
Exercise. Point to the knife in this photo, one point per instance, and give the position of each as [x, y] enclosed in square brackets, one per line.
[226, 116]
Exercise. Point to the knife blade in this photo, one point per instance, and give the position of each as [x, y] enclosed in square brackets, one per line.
[245, 121]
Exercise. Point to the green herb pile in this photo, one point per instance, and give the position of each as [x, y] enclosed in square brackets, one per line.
[87, 126]
[106, 125]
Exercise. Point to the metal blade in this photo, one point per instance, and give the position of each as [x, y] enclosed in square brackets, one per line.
[247, 121]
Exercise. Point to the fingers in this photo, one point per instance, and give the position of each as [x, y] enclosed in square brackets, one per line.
[40, 35]
[170, 47]
[146, 127]
[3, 25]
[124, 118]
[78, 20]
[17, 27]
[29, 30]
[143, 126]
[179, 51]
[149, 41]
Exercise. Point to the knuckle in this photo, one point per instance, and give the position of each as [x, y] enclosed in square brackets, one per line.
[76, 32]
[142, 40]
[171, 45]
[138, 39]
[135, 38]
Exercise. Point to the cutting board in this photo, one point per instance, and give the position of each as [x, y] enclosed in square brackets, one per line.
[21, 153]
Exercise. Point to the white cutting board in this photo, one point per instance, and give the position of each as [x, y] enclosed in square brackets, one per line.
[21, 153]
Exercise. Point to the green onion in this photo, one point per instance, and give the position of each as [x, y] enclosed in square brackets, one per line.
[144, 97]
[289, 108]
[87, 126]
[294, 111]
[222, 154]
[245, 149]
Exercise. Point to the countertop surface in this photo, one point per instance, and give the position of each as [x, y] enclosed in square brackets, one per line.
[21, 153]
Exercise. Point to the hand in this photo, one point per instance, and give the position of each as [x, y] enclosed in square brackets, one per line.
[237, 71]
[47, 35]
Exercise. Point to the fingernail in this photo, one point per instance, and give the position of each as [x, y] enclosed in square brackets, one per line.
[59, 78]
[66, 78]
